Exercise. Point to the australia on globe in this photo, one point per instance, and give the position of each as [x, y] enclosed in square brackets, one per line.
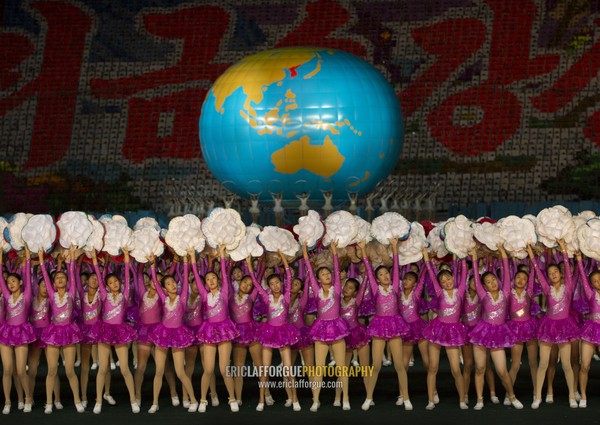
[301, 120]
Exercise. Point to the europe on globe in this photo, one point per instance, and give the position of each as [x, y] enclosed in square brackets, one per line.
[301, 120]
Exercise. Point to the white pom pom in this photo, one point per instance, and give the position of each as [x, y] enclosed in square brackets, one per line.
[276, 239]
[75, 229]
[117, 235]
[459, 236]
[95, 242]
[340, 226]
[185, 234]
[517, 234]
[39, 233]
[411, 250]
[146, 243]
[249, 246]
[435, 240]
[223, 226]
[588, 236]
[364, 231]
[310, 229]
[14, 230]
[488, 234]
[554, 223]
[390, 225]
[146, 222]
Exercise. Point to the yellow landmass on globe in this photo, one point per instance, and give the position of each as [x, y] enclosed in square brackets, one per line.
[259, 71]
[323, 160]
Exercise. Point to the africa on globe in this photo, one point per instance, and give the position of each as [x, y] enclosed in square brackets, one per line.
[301, 120]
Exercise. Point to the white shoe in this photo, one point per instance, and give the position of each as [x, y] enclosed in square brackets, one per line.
[577, 396]
[288, 402]
[549, 399]
[372, 403]
[234, 406]
[337, 403]
[494, 399]
[582, 404]
[135, 408]
[408, 405]
[506, 401]
[260, 407]
[138, 401]
[47, 409]
[6, 409]
[400, 401]
[94, 366]
[109, 399]
[186, 404]
[366, 404]
[315, 406]
[175, 401]
[153, 408]
[463, 405]
[355, 363]
[240, 403]
[573, 403]
[97, 408]
[596, 357]
[214, 400]
[20, 405]
[296, 406]
[195, 407]
[79, 407]
[536, 403]
[436, 398]
[411, 363]
[269, 400]
[77, 363]
[516, 403]
[58, 405]
[430, 405]
[478, 405]
[27, 408]
[331, 363]
[386, 362]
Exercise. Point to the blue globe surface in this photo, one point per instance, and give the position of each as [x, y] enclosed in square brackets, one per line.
[301, 120]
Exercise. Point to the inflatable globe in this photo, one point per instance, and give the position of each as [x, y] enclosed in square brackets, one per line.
[303, 120]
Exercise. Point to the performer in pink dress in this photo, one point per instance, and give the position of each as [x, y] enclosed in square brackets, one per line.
[149, 316]
[172, 333]
[277, 332]
[387, 326]
[492, 332]
[590, 331]
[558, 325]
[114, 331]
[329, 329]
[241, 307]
[62, 333]
[16, 332]
[446, 330]
[218, 331]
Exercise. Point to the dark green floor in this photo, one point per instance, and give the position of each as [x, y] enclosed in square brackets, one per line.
[447, 412]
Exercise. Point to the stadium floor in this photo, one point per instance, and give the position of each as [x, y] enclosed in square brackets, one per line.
[447, 412]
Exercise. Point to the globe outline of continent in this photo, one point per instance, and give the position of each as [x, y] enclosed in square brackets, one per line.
[301, 120]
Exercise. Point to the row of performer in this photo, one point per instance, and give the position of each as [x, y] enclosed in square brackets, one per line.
[476, 308]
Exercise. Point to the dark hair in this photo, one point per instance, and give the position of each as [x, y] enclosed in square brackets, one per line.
[412, 274]
[164, 279]
[593, 273]
[273, 276]
[15, 275]
[553, 265]
[486, 274]
[108, 276]
[443, 273]
[52, 275]
[299, 280]
[321, 269]
[207, 273]
[86, 274]
[353, 281]
[522, 271]
[382, 267]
